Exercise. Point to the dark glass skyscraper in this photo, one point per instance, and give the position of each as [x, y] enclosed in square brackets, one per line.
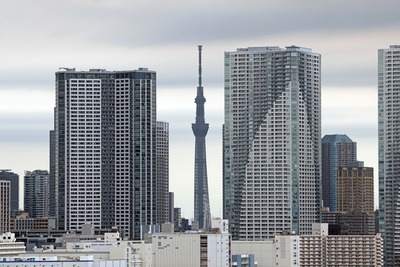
[337, 151]
[200, 128]
[13, 178]
[37, 193]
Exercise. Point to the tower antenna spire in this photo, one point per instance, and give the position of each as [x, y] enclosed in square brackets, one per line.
[200, 47]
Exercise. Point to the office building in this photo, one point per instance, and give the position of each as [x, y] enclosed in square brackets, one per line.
[349, 223]
[355, 191]
[13, 178]
[105, 129]
[162, 184]
[24, 223]
[5, 205]
[271, 141]
[337, 151]
[202, 212]
[177, 219]
[191, 249]
[37, 193]
[389, 151]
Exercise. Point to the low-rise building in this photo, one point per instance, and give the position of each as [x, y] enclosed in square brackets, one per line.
[321, 249]
[53, 261]
[159, 249]
[9, 247]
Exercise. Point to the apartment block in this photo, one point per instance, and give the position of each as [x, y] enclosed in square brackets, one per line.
[271, 141]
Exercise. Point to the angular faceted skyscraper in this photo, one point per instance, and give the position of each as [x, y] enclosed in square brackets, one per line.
[105, 130]
[271, 141]
[389, 151]
[201, 199]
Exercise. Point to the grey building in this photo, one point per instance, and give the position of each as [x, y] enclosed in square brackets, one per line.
[13, 178]
[389, 151]
[337, 151]
[5, 204]
[52, 175]
[37, 193]
[177, 219]
[353, 222]
[162, 184]
[171, 207]
[271, 141]
[105, 130]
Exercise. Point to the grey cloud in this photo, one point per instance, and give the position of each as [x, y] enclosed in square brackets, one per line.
[350, 76]
[133, 23]
[37, 136]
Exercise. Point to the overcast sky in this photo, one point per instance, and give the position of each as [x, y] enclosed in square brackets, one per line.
[38, 37]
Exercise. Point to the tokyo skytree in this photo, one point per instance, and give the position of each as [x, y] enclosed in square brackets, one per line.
[200, 128]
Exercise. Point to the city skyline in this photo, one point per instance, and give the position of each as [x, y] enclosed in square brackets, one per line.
[32, 52]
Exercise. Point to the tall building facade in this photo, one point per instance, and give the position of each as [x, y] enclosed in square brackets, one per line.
[13, 178]
[52, 174]
[337, 151]
[37, 193]
[171, 207]
[105, 129]
[162, 181]
[202, 213]
[271, 141]
[355, 189]
[389, 151]
[5, 205]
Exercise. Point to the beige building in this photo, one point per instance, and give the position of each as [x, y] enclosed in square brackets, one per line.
[353, 250]
[356, 189]
[23, 222]
[263, 251]
[321, 249]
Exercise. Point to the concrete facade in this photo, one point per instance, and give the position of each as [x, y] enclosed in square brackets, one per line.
[105, 128]
[271, 141]
[389, 149]
[37, 193]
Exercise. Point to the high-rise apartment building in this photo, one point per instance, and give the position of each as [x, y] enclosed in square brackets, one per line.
[389, 151]
[162, 184]
[105, 128]
[5, 205]
[337, 151]
[271, 141]
[13, 178]
[37, 193]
